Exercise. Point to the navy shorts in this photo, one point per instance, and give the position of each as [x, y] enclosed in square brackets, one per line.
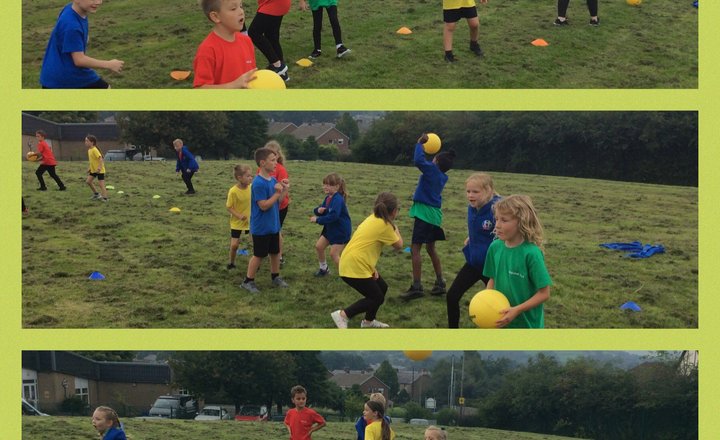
[236, 233]
[100, 176]
[283, 214]
[333, 241]
[266, 244]
[455, 15]
[424, 232]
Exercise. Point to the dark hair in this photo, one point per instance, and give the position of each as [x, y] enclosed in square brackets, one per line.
[262, 154]
[209, 6]
[385, 204]
[41, 133]
[297, 389]
[445, 160]
[336, 179]
[379, 408]
[92, 139]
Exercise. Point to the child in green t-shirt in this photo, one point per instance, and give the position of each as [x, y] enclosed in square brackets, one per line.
[515, 263]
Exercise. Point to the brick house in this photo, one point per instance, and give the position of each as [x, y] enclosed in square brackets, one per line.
[367, 381]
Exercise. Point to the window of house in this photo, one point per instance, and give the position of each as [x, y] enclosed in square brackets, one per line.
[340, 141]
[81, 389]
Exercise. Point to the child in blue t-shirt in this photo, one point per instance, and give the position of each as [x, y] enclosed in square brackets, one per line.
[335, 218]
[265, 219]
[105, 420]
[426, 209]
[481, 197]
[65, 65]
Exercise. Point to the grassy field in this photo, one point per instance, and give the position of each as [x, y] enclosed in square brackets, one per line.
[651, 46]
[80, 428]
[168, 270]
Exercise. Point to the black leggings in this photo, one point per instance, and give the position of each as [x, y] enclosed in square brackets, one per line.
[187, 178]
[265, 34]
[51, 171]
[374, 292]
[334, 23]
[464, 280]
[591, 4]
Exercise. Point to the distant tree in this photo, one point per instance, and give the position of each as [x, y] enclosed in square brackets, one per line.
[247, 131]
[348, 126]
[402, 397]
[415, 411]
[291, 146]
[309, 149]
[109, 356]
[68, 117]
[388, 375]
[340, 360]
[328, 152]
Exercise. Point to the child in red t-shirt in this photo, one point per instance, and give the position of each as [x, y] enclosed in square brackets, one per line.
[47, 162]
[302, 421]
[226, 58]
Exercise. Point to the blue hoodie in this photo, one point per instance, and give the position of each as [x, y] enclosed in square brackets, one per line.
[335, 219]
[432, 180]
[481, 223]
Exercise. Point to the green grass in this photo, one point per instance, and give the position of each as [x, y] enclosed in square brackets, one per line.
[80, 428]
[651, 46]
[167, 270]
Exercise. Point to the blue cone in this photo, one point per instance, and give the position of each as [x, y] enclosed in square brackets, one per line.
[630, 306]
[96, 276]
[242, 252]
[407, 249]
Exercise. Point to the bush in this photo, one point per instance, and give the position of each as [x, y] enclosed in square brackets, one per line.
[328, 152]
[447, 416]
[397, 411]
[415, 411]
[74, 406]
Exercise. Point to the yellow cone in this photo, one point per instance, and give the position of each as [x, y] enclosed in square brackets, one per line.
[304, 62]
[174, 209]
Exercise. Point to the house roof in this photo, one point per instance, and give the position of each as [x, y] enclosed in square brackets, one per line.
[280, 127]
[347, 380]
[306, 130]
[69, 131]
[407, 377]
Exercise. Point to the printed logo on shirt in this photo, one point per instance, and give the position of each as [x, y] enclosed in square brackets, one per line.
[516, 274]
[487, 225]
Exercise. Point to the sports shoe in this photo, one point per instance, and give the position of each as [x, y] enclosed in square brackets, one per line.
[450, 57]
[230, 266]
[42, 188]
[315, 53]
[342, 51]
[559, 22]
[95, 196]
[279, 282]
[373, 324]
[412, 293]
[340, 320]
[475, 48]
[250, 286]
[439, 288]
[62, 188]
[190, 191]
[595, 21]
[282, 70]
[103, 199]
[322, 273]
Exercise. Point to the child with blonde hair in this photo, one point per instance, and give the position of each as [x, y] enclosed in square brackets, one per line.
[481, 197]
[434, 433]
[335, 218]
[105, 420]
[238, 205]
[515, 263]
[362, 423]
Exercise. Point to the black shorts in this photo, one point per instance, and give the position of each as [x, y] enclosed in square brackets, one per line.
[99, 84]
[455, 15]
[100, 176]
[283, 214]
[424, 232]
[236, 233]
[266, 244]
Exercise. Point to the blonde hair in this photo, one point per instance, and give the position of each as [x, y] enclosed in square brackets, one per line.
[378, 397]
[275, 147]
[482, 179]
[441, 433]
[336, 179]
[110, 414]
[521, 207]
[241, 169]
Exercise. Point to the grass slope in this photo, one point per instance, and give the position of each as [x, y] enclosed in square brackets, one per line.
[168, 270]
[651, 46]
[79, 428]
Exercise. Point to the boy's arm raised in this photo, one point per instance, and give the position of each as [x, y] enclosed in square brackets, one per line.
[82, 60]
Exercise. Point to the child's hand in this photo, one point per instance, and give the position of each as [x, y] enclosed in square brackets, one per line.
[285, 185]
[467, 240]
[484, 1]
[313, 219]
[278, 187]
[376, 275]
[424, 138]
[509, 316]
[303, 5]
[242, 81]
[115, 65]
[321, 210]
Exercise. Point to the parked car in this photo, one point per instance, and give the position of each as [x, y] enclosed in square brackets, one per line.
[175, 406]
[252, 413]
[115, 155]
[213, 412]
[29, 409]
[419, 422]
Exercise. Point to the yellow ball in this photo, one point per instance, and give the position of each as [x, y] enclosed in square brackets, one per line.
[634, 2]
[266, 79]
[32, 156]
[418, 355]
[485, 307]
[433, 144]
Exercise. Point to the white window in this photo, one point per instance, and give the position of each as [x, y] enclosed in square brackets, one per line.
[29, 386]
[81, 389]
[340, 141]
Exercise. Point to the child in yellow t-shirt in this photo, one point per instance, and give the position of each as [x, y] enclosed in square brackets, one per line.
[454, 11]
[96, 169]
[238, 205]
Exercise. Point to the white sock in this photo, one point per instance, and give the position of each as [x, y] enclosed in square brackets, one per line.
[337, 46]
[323, 265]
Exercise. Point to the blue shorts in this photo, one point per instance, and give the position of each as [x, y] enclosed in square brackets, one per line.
[424, 232]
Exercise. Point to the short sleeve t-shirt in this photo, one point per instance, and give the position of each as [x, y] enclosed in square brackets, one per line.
[362, 253]
[300, 422]
[95, 158]
[519, 272]
[373, 431]
[69, 35]
[239, 200]
[457, 4]
[219, 61]
[274, 7]
[263, 222]
[48, 158]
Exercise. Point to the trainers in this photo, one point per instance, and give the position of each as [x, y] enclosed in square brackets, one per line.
[342, 51]
[279, 282]
[412, 293]
[95, 197]
[42, 188]
[315, 53]
[450, 57]
[190, 191]
[230, 266]
[559, 22]
[475, 48]
[62, 188]
[250, 286]
[103, 199]
[439, 288]
[595, 21]
[282, 71]
[322, 273]
[373, 324]
[340, 320]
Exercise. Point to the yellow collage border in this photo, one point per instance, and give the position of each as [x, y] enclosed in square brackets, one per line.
[705, 99]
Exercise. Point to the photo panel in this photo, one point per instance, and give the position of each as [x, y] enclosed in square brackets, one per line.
[561, 219]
